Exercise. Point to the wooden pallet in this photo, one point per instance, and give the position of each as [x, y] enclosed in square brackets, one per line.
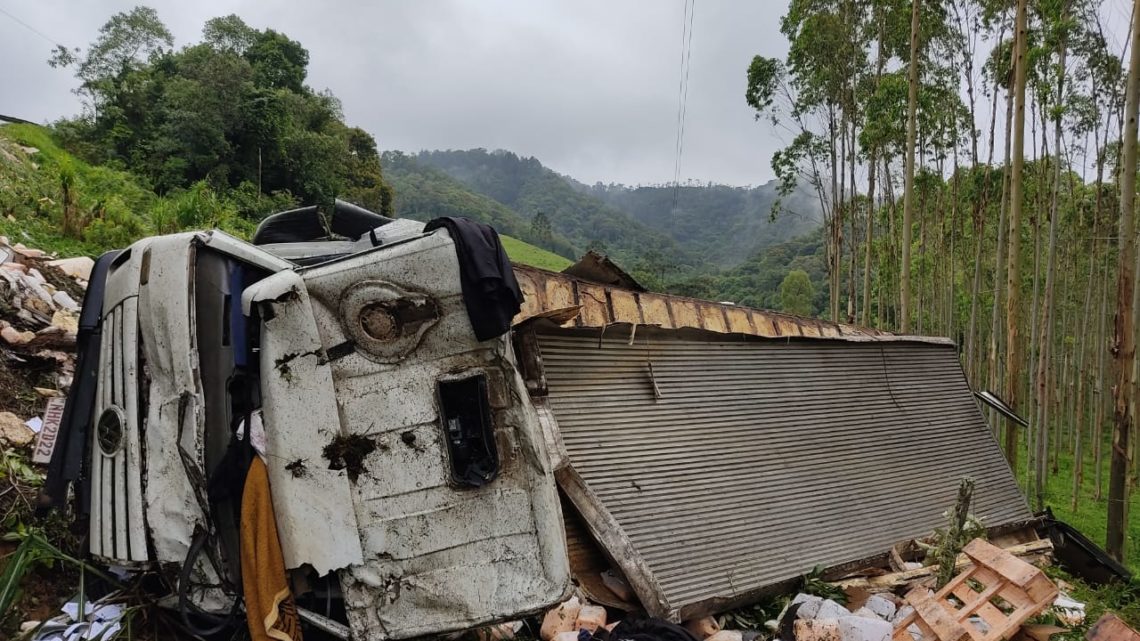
[1000, 589]
[1111, 628]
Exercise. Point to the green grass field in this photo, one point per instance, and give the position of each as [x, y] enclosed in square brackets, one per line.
[527, 254]
[1090, 515]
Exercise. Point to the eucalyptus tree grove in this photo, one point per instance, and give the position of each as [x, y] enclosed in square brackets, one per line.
[975, 162]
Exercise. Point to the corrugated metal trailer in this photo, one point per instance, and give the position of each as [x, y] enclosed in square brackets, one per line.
[709, 463]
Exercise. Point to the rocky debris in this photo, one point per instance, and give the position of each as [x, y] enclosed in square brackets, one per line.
[881, 606]
[560, 619]
[39, 320]
[735, 635]
[702, 628]
[590, 617]
[78, 267]
[39, 323]
[812, 618]
[13, 431]
[13, 336]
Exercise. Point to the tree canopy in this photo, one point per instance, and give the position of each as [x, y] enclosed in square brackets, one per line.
[232, 111]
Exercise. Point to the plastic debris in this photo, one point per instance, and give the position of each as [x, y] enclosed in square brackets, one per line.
[100, 620]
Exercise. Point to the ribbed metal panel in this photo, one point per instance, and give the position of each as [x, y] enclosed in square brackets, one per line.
[762, 459]
[116, 524]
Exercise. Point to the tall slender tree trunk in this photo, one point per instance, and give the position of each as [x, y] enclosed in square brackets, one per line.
[1046, 335]
[1124, 340]
[872, 163]
[1062, 399]
[842, 209]
[908, 192]
[836, 218]
[1082, 382]
[949, 324]
[1135, 392]
[892, 257]
[852, 293]
[972, 365]
[979, 231]
[1101, 395]
[869, 241]
[1132, 395]
[996, 370]
[1013, 288]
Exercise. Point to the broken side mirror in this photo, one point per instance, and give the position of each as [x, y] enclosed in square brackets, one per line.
[469, 430]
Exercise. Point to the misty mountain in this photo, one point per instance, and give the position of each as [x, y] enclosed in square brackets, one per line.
[707, 223]
[423, 193]
[726, 225]
[528, 188]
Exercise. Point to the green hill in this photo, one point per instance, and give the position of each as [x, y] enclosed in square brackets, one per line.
[527, 254]
[756, 281]
[54, 201]
[528, 188]
[51, 200]
[710, 225]
[728, 225]
[423, 193]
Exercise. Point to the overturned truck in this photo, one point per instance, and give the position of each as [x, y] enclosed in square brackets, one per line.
[664, 454]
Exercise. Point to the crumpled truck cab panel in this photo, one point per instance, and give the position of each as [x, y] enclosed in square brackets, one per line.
[404, 455]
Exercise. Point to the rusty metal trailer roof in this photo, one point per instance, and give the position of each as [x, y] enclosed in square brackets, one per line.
[710, 466]
[603, 305]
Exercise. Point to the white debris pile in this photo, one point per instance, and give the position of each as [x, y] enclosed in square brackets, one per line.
[812, 618]
[38, 296]
[39, 319]
[102, 619]
[1067, 609]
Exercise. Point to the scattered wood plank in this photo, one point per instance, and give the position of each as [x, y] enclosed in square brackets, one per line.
[1038, 632]
[894, 580]
[1111, 628]
[936, 623]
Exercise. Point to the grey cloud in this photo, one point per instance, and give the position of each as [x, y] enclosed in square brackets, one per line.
[589, 87]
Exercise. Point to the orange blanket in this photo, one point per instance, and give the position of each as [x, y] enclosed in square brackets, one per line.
[269, 605]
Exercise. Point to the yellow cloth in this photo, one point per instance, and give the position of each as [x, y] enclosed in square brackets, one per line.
[269, 605]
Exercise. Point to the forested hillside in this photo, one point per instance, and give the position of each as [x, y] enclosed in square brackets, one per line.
[423, 193]
[758, 281]
[542, 196]
[724, 225]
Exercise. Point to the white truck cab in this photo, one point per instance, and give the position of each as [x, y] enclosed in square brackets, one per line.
[411, 483]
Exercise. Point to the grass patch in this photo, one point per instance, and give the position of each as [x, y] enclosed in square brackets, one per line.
[38, 191]
[527, 254]
[1090, 514]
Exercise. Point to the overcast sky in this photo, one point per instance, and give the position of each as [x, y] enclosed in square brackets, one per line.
[589, 87]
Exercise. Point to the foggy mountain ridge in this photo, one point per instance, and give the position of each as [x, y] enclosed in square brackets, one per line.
[691, 225]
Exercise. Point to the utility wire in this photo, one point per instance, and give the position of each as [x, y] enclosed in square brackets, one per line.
[31, 28]
[682, 96]
[681, 80]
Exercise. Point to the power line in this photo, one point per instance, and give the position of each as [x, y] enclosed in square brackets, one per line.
[682, 95]
[685, 97]
[31, 28]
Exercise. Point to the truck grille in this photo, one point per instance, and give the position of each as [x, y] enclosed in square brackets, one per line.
[117, 520]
